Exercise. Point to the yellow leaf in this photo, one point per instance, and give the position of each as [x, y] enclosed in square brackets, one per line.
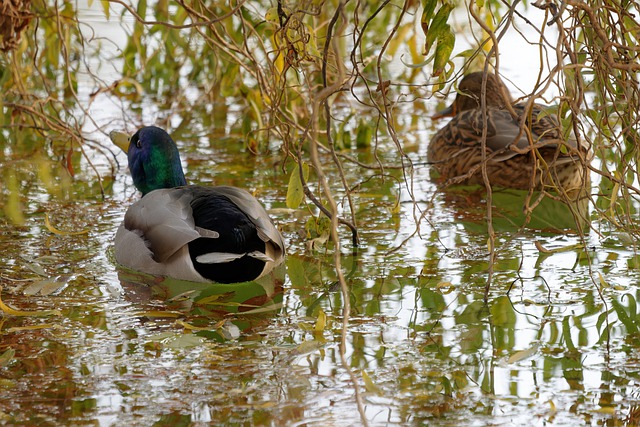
[272, 16]
[191, 327]
[20, 313]
[369, 385]
[614, 199]
[105, 8]
[34, 327]
[157, 313]
[6, 384]
[602, 281]
[128, 82]
[12, 207]
[522, 354]
[321, 322]
[308, 347]
[544, 250]
[7, 356]
[54, 230]
[610, 410]
[445, 287]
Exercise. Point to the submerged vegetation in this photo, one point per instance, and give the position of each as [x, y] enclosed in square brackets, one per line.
[328, 99]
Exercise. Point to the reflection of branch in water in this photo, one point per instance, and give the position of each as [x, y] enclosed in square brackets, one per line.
[333, 286]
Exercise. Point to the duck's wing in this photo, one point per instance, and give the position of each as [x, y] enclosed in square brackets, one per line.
[502, 132]
[248, 204]
[505, 138]
[164, 219]
[546, 128]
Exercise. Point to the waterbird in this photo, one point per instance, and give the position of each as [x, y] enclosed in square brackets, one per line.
[190, 232]
[524, 146]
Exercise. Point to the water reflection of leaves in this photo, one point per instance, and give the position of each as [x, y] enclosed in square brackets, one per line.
[514, 209]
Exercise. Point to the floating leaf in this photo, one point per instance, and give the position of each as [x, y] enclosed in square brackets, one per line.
[7, 357]
[364, 134]
[609, 410]
[44, 287]
[6, 384]
[447, 387]
[308, 346]
[369, 385]
[445, 287]
[36, 268]
[177, 341]
[158, 313]
[568, 248]
[603, 282]
[321, 322]
[59, 232]
[34, 327]
[12, 206]
[230, 331]
[218, 299]
[317, 243]
[191, 327]
[20, 313]
[523, 354]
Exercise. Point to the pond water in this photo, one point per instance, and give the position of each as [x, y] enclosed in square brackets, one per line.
[552, 342]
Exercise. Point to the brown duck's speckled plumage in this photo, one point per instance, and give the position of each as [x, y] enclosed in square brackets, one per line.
[533, 155]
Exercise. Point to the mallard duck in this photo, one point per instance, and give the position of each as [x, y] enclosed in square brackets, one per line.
[203, 234]
[514, 159]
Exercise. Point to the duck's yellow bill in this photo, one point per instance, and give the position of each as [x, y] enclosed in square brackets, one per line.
[121, 139]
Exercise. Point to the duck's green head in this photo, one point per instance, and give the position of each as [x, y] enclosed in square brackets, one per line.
[154, 161]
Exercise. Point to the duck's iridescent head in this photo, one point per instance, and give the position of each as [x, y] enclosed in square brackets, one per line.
[154, 161]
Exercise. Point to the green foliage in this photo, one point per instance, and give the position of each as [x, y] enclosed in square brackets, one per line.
[295, 190]
[438, 31]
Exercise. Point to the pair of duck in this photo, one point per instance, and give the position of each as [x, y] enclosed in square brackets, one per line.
[223, 234]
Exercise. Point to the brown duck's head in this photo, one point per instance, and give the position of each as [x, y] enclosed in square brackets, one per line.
[470, 93]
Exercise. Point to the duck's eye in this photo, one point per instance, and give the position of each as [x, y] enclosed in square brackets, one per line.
[135, 140]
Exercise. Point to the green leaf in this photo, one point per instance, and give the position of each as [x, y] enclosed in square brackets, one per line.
[369, 385]
[427, 14]
[105, 8]
[321, 322]
[438, 27]
[7, 357]
[443, 52]
[365, 134]
[295, 191]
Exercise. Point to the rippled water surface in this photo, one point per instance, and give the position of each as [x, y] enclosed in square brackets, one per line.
[555, 341]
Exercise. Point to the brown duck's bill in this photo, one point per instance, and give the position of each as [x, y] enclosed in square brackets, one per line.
[121, 139]
[447, 112]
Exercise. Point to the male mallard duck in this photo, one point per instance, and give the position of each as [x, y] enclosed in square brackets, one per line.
[203, 234]
[513, 160]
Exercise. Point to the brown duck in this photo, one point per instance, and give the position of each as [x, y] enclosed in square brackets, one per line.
[513, 158]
